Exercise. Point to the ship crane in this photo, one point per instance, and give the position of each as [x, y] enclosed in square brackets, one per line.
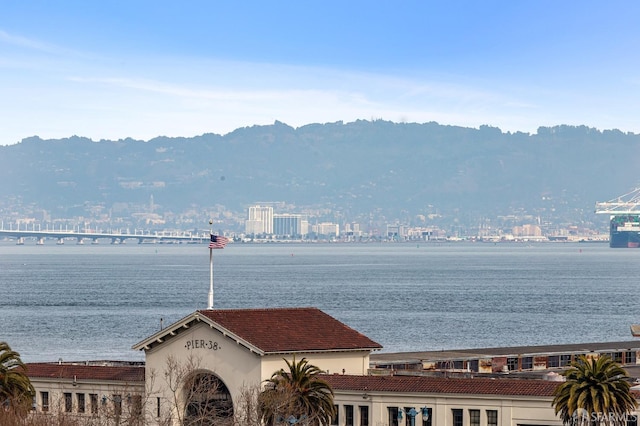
[628, 203]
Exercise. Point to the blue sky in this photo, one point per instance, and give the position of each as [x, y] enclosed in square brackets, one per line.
[141, 69]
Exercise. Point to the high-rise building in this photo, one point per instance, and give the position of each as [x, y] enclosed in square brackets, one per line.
[260, 220]
[290, 225]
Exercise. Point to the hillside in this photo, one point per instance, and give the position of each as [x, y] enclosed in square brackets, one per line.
[394, 169]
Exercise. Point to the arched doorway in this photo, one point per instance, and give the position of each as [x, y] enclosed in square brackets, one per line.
[208, 401]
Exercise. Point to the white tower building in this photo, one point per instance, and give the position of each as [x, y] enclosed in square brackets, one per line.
[260, 220]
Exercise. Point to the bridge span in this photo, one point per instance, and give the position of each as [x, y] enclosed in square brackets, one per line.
[94, 237]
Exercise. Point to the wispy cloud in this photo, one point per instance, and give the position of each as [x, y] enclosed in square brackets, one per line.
[31, 44]
[143, 96]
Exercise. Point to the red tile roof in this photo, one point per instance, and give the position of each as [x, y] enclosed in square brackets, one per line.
[290, 329]
[440, 385]
[85, 372]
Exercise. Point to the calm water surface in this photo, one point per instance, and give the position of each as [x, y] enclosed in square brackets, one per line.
[96, 301]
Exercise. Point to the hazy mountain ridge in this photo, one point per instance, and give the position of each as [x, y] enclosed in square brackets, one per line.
[398, 168]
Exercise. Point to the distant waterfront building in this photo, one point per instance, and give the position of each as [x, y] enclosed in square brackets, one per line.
[422, 233]
[260, 220]
[290, 225]
[396, 231]
[326, 228]
[351, 231]
[527, 231]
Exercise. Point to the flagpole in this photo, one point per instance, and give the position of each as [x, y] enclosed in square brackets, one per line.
[210, 268]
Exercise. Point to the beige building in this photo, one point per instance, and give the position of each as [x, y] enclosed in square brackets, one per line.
[260, 220]
[326, 228]
[237, 350]
[111, 390]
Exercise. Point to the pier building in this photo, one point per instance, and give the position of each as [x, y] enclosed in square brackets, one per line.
[233, 351]
[522, 361]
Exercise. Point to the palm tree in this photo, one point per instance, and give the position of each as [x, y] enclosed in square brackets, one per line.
[595, 392]
[16, 390]
[297, 395]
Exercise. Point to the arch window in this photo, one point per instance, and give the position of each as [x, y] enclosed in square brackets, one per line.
[208, 401]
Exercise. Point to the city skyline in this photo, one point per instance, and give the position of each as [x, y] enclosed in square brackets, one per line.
[262, 222]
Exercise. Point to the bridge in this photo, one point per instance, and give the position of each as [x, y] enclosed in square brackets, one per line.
[114, 237]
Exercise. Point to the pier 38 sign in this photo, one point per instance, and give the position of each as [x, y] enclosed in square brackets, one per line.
[211, 345]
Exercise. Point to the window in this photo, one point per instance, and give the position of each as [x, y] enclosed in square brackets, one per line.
[474, 365]
[406, 417]
[93, 403]
[80, 401]
[68, 402]
[457, 416]
[158, 407]
[364, 415]
[136, 406]
[44, 397]
[527, 363]
[630, 357]
[348, 415]
[553, 361]
[117, 405]
[492, 417]
[512, 364]
[474, 417]
[565, 360]
[428, 421]
[393, 416]
[336, 417]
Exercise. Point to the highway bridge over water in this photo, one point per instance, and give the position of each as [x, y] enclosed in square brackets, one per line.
[115, 238]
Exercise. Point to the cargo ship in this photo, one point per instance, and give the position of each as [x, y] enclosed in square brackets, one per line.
[624, 231]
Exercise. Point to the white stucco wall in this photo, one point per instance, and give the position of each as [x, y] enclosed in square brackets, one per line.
[104, 390]
[203, 349]
[355, 363]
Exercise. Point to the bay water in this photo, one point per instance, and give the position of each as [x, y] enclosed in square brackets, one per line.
[93, 302]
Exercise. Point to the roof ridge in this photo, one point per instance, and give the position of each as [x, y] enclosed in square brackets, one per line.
[280, 308]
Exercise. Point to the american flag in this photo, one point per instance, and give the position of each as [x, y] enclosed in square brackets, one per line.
[218, 242]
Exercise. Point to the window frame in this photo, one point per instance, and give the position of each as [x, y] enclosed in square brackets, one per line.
[336, 418]
[68, 402]
[349, 417]
[93, 403]
[429, 420]
[44, 401]
[474, 417]
[630, 357]
[457, 417]
[117, 405]
[81, 402]
[565, 360]
[492, 413]
[364, 415]
[393, 416]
